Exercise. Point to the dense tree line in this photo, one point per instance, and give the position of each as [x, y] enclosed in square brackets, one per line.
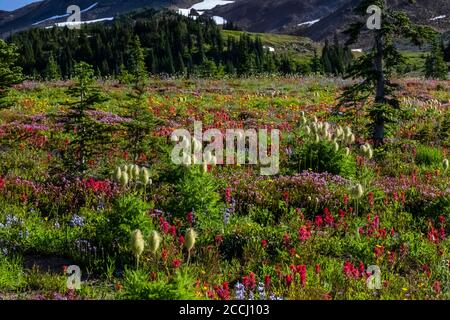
[336, 58]
[172, 44]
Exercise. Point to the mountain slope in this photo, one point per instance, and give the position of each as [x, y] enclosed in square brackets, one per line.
[48, 12]
[319, 19]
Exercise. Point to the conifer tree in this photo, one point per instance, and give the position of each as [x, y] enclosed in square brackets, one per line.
[89, 137]
[142, 122]
[316, 64]
[377, 66]
[435, 66]
[52, 72]
[10, 73]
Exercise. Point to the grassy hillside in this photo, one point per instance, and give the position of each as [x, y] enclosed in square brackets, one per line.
[298, 47]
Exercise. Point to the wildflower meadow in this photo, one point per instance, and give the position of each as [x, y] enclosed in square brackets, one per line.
[343, 219]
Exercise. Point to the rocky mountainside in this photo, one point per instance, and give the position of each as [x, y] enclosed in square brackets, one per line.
[49, 12]
[317, 19]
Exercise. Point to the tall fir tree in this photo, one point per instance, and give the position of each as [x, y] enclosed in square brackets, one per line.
[10, 72]
[89, 138]
[376, 67]
[142, 122]
[52, 71]
[435, 66]
[316, 64]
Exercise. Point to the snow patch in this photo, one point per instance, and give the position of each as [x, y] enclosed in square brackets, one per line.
[201, 7]
[210, 4]
[65, 15]
[438, 17]
[219, 20]
[271, 49]
[308, 23]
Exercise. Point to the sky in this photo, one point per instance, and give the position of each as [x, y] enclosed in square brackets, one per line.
[9, 5]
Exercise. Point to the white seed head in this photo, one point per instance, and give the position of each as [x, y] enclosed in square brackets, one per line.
[117, 174]
[144, 176]
[154, 241]
[124, 179]
[336, 147]
[352, 138]
[137, 243]
[347, 151]
[358, 191]
[308, 130]
[191, 237]
[136, 172]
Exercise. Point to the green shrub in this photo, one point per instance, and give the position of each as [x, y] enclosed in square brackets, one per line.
[129, 213]
[11, 274]
[198, 192]
[137, 286]
[428, 156]
[322, 157]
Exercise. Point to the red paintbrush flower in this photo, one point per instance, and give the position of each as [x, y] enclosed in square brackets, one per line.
[264, 243]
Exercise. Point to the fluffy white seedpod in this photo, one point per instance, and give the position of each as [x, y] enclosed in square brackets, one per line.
[190, 237]
[136, 172]
[130, 171]
[124, 178]
[352, 139]
[308, 130]
[117, 174]
[347, 151]
[197, 145]
[144, 176]
[364, 148]
[324, 132]
[445, 164]
[317, 138]
[367, 150]
[348, 131]
[320, 126]
[137, 243]
[154, 241]
[357, 191]
[370, 153]
[304, 120]
[336, 147]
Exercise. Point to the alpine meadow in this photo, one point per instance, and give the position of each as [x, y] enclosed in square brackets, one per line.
[225, 150]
